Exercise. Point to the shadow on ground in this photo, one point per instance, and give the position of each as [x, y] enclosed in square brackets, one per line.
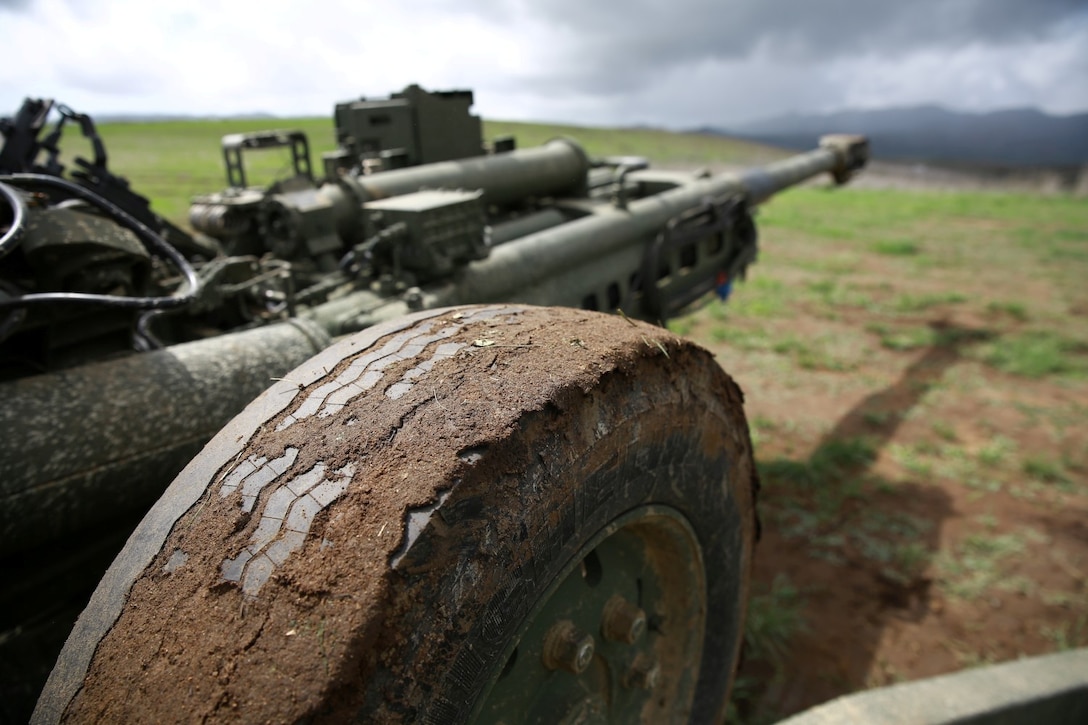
[844, 552]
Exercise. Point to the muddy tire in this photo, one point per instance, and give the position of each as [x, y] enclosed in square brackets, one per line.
[426, 522]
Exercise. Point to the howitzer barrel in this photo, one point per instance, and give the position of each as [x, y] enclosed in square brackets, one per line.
[838, 155]
[75, 452]
[559, 167]
[538, 268]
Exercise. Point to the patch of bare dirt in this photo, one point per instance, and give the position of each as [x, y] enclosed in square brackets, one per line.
[998, 560]
[893, 175]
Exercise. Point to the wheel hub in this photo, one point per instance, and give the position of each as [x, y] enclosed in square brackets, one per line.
[617, 637]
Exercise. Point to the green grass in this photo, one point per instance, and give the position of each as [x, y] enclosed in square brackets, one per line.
[172, 161]
[1037, 354]
[821, 502]
[971, 224]
[1016, 310]
[748, 340]
[824, 352]
[896, 248]
[944, 430]
[995, 451]
[1069, 636]
[830, 462]
[919, 302]
[835, 294]
[1047, 470]
[894, 541]
[813, 490]
[913, 460]
[681, 325]
[821, 352]
[978, 563]
[906, 337]
[774, 618]
[763, 296]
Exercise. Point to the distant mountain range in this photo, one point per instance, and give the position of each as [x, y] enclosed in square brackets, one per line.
[1019, 137]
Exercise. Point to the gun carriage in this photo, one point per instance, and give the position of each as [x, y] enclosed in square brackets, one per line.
[127, 343]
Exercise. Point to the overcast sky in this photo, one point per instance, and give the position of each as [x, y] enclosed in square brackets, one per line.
[675, 63]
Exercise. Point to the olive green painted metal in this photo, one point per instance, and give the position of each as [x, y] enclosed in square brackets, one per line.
[289, 218]
[559, 266]
[409, 128]
[618, 638]
[141, 419]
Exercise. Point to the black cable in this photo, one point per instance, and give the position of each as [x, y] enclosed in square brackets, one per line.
[18, 208]
[151, 240]
[145, 339]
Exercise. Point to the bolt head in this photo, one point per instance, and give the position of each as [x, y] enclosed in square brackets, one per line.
[585, 654]
[622, 621]
[566, 647]
[644, 674]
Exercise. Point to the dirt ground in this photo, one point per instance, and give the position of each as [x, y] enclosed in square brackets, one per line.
[863, 625]
[925, 506]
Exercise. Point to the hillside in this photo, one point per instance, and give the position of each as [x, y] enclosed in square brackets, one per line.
[1016, 137]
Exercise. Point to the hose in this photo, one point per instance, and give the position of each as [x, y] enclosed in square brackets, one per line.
[151, 240]
[11, 237]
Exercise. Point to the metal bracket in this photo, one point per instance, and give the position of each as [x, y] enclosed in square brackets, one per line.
[624, 166]
[234, 144]
[680, 265]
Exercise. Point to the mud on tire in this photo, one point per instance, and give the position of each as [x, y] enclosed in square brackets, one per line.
[385, 533]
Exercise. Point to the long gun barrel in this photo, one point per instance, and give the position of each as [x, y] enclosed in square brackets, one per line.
[557, 168]
[559, 266]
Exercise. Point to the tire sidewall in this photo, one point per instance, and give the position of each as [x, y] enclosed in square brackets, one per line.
[568, 473]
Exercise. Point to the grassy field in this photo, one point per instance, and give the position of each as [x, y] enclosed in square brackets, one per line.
[170, 162]
[916, 373]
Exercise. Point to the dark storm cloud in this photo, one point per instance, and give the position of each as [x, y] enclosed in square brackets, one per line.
[677, 63]
[615, 46]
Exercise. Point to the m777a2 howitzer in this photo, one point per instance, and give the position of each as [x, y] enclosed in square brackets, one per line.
[451, 504]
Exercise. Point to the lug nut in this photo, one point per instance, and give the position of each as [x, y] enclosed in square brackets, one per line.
[622, 621]
[644, 674]
[568, 648]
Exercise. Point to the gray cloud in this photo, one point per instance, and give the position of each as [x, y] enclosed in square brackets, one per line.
[802, 28]
[616, 47]
[677, 63]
